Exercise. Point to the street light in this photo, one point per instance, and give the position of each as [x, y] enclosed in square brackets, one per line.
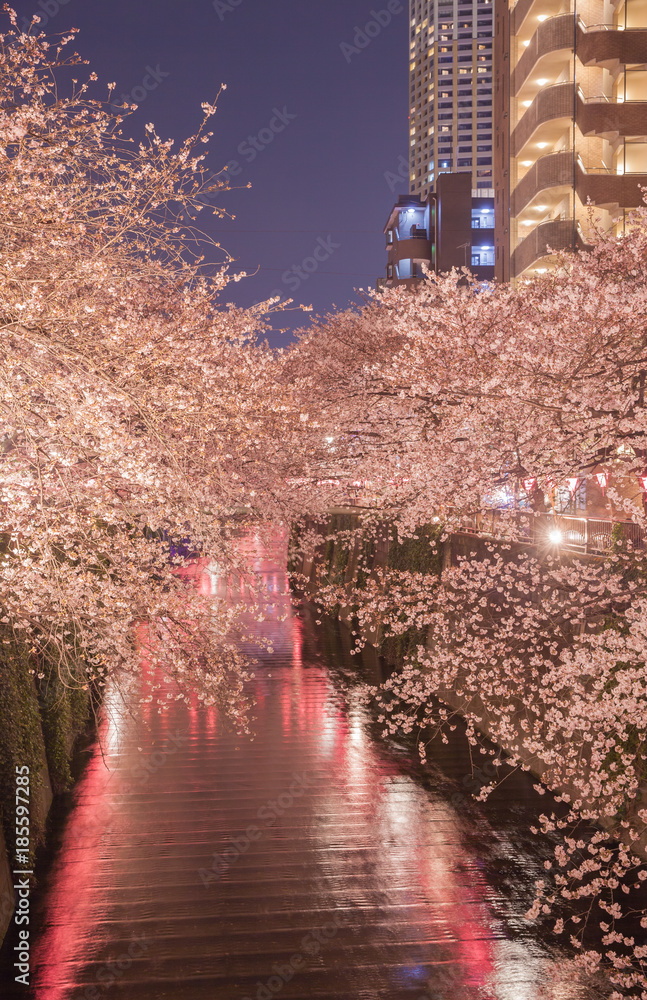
[555, 537]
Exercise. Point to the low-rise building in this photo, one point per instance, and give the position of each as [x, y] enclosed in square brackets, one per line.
[451, 227]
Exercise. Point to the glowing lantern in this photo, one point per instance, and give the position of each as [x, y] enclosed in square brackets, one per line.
[529, 485]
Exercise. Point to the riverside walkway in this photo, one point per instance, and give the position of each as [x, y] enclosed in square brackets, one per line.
[308, 861]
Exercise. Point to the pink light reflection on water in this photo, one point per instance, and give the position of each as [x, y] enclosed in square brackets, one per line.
[368, 839]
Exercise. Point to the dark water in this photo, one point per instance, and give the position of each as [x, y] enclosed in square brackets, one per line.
[311, 861]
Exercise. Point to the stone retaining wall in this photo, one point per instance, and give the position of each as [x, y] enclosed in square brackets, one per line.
[39, 726]
[455, 547]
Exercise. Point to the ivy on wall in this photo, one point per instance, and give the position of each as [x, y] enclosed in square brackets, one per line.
[64, 712]
[21, 736]
[418, 554]
[39, 723]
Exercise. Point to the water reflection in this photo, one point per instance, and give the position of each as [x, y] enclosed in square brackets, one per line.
[161, 889]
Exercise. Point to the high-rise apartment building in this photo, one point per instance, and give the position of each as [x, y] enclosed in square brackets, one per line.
[450, 72]
[570, 113]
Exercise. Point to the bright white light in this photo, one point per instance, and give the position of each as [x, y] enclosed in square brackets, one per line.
[542, 82]
[330, 440]
[527, 43]
[526, 163]
[541, 270]
[555, 537]
[526, 104]
[542, 17]
[542, 145]
[542, 208]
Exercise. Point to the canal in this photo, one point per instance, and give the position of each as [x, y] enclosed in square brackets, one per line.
[310, 860]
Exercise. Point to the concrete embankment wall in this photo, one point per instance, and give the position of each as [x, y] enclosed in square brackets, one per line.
[340, 565]
[40, 721]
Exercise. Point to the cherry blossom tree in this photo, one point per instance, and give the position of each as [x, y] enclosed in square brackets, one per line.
[132, 399]
[465, 405]
[143, 422]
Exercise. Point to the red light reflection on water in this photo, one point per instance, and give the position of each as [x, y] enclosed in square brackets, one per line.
[375, 840]
[74, 899]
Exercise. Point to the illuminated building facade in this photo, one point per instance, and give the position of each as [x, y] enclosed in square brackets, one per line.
[447, 228]
[450, 74]
[570, 115]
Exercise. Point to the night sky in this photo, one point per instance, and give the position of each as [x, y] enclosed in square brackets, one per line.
[329, 124]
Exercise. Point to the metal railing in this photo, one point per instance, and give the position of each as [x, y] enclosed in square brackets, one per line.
[612, 171]
[580, 534]
[607, 99]
[605, 27]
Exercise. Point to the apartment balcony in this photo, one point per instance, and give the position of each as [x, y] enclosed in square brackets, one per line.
[551, 47]
[523, 8]
[605, 188]
[415, 248]
[555, 171]
[554, 106]
[552, 38]
[602, 43]
[605, 116]
[546, 238]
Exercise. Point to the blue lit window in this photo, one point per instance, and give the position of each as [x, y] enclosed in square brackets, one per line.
[483, 256]
[483, 218]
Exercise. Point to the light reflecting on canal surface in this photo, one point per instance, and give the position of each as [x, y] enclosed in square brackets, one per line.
[305, 861]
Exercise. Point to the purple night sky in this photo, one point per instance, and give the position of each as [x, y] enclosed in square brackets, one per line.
[318, 127]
